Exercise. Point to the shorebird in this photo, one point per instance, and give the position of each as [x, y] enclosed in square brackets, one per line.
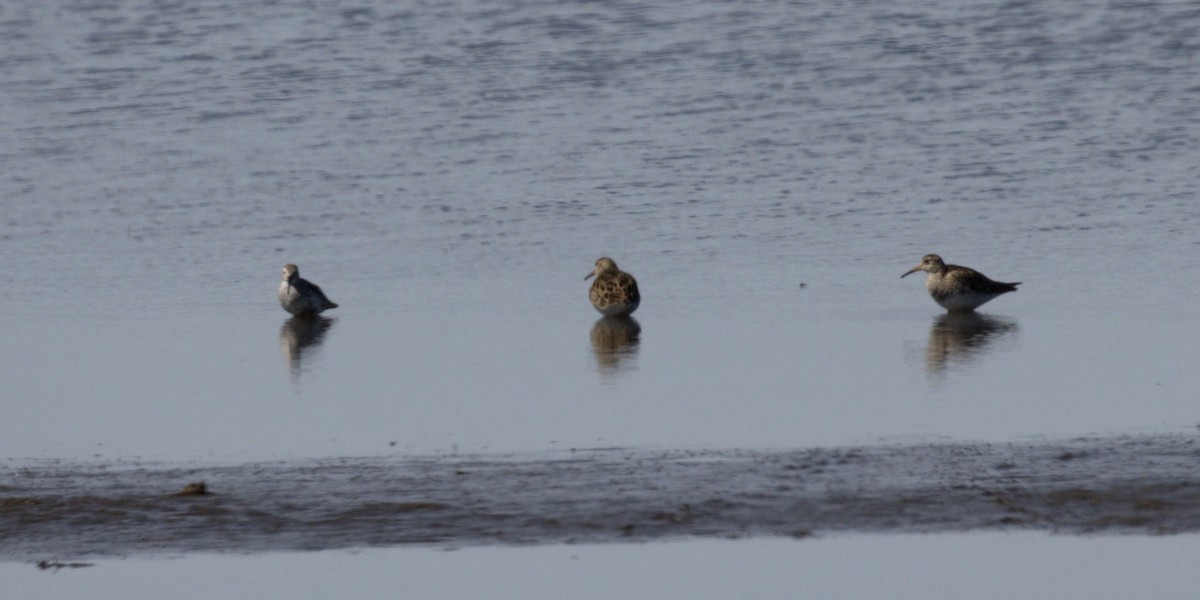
[958, 289]
[615, 292]
[300, 296]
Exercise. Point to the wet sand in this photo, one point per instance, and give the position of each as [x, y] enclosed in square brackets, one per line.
[71, 511]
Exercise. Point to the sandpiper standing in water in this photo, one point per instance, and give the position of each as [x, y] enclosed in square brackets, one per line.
[300, 296]
[615, 292]
[958, 289]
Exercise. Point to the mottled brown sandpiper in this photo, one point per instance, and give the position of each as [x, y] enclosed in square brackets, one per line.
[958, 289]
[615, 292]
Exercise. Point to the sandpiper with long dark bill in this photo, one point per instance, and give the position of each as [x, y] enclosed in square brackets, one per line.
[615, 292]
[958, 289]
[300, 296]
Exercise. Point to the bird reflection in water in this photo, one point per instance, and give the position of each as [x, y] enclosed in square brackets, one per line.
[301, 332]
[957, 339]
[615, 343]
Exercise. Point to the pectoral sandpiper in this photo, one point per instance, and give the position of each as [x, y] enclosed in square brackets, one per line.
[615, 292]
[958, 289]
[300, 296]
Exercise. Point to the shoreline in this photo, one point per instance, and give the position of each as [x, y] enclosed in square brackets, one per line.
[1120, 484]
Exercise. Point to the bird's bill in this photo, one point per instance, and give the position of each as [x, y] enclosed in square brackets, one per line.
[589, 276]
[911, 271]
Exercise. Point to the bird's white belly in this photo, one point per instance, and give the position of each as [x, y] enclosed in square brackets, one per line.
[292, 300]
[963, 300]
[618, 310]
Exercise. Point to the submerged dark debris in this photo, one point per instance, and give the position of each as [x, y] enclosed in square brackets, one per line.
[195, 488]
[56, 565]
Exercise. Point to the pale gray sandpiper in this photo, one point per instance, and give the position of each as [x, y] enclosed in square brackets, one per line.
[300, 296]
[958, 289]
[615, 292]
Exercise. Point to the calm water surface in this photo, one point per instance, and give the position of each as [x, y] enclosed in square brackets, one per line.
[986, 566]
[448, 173]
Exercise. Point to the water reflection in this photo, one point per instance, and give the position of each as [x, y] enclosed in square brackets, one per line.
[615, 343]
[957, 339]
[298, 333]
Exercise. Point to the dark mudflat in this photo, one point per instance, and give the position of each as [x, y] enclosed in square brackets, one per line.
[1102, 485]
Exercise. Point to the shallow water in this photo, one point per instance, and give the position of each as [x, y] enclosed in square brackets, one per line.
[448, 173]
[986, 566]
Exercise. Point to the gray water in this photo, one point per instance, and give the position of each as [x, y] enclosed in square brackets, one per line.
[985, 566]
[448, 173]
